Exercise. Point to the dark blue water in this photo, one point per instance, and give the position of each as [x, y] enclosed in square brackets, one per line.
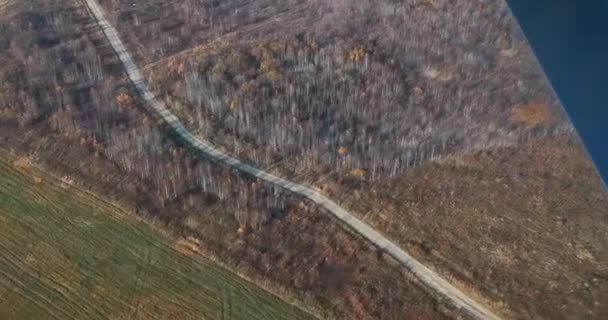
[570, 39]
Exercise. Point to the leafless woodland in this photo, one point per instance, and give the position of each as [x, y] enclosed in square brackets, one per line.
[64, 99]
[62, 82]
[376, 85]
[381, 86]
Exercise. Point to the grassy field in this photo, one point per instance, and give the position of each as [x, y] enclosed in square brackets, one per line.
[66, 255]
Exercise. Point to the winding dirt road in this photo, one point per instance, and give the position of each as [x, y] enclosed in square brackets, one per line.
[437, 285]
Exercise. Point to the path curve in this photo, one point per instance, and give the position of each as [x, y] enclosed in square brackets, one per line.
[427, 277]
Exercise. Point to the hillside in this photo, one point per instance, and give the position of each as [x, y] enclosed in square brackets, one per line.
[369, 115]
[525, 225]
[427, 119]
[67, 104]
[375, 85]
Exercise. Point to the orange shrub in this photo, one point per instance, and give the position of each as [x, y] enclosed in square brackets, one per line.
[530, 114]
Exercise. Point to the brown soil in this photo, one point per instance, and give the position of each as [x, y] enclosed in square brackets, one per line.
[523, 225]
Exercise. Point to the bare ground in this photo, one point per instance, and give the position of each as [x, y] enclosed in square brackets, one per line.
[525, 225]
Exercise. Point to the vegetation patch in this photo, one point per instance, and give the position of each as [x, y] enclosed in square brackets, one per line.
[530, 114]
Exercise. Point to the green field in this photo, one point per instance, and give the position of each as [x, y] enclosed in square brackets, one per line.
[64, 254]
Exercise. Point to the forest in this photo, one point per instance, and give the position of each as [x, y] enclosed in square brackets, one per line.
[428, 119]
[67, 105]
[373, 86]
